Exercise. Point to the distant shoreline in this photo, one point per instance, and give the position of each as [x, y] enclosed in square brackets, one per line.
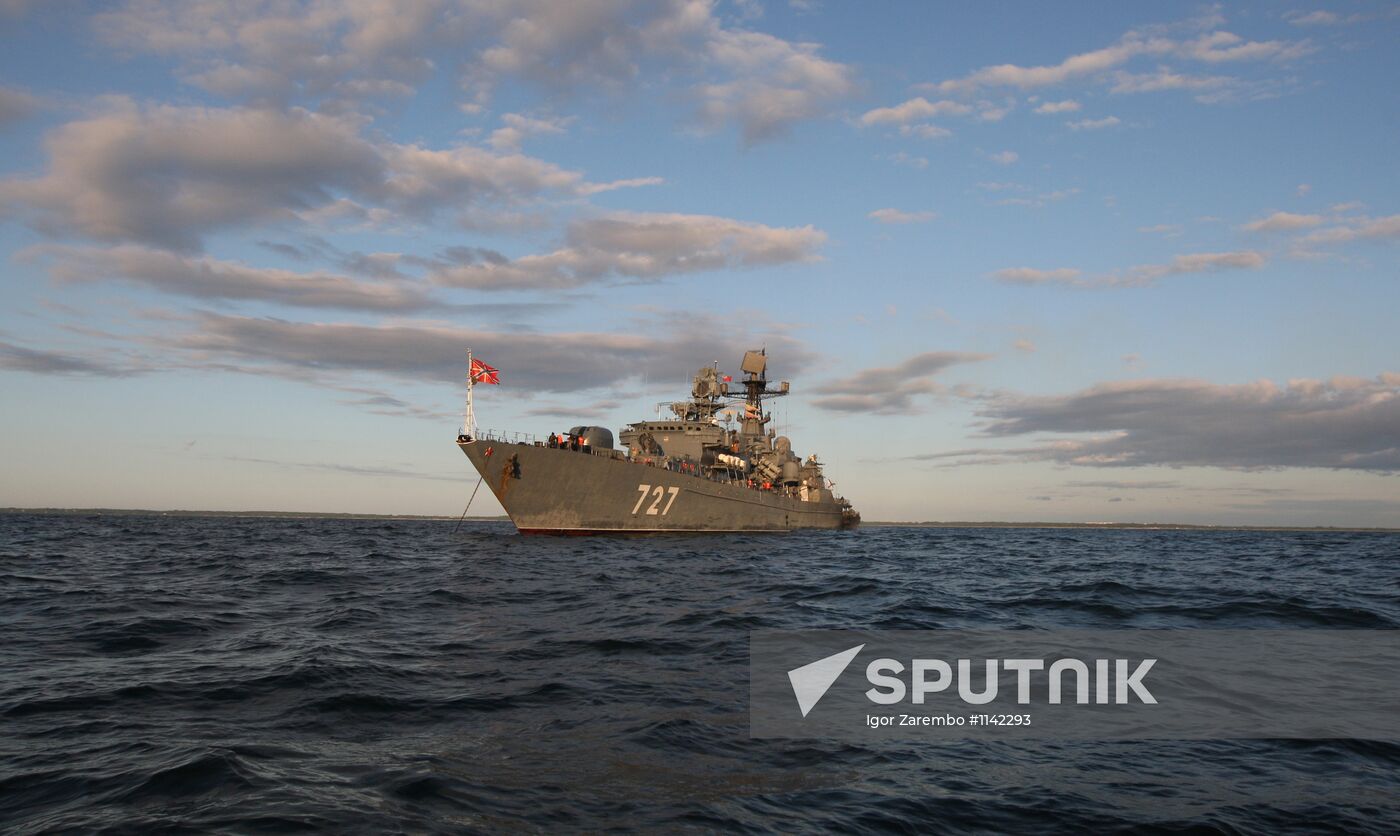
[1132, 526]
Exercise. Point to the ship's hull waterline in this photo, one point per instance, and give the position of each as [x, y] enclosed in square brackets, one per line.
[561, 491]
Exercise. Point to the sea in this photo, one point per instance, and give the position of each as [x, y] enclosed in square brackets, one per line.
[188, 674]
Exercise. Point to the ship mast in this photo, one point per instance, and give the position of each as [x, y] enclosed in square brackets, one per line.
[755, 369]
[469, 417]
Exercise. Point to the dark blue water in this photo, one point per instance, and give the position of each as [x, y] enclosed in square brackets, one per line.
[213, 674]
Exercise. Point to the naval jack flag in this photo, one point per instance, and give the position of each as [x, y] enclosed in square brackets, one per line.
[482, 373]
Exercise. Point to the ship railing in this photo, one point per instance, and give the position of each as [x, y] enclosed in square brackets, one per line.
[508, 437]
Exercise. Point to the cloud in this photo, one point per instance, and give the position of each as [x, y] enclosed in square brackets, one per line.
[614, 185]
[639, 246]
[1126, 485]
[1025, 346]
[1219, 47]
[1343, 423]
[1032, 275]
[517, 128]
[1035, 200]
[1003, 187]
[39, 361]
[925, 131]
[1317, 18]
[896, 216]
[1139, 276]
[167, 175]
[202, 277]
[1004, 157]
[1283, 221]
[913, 110]
[1165, 79]
[901, 158]
[1066, 106]
[775, 84]
[421, 180]
[1093, 124]
[15, 106]
[436, 352]
[332, 50]
[891, 390]
[1211, 48]
[1355, 229]
[1075, 66]
[1169, 230]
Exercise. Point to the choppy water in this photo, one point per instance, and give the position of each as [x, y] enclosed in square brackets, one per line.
[174, 673]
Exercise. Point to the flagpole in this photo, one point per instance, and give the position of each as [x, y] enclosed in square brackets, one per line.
[469, 420]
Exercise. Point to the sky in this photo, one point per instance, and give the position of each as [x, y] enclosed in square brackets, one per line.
[1020, 261]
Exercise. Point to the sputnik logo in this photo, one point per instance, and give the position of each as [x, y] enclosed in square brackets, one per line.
[811, 681]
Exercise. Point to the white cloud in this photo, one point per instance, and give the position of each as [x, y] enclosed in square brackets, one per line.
[1355, 229]
[208, 278]
[1075, 66]
[1186, 264]
[775, 83]
[925, 131]
[15, 105]
[1344, 423]
[614, 185]
[896, 216]
[1032, 275]
[639, 246]
[988, 112]
[165, 174]
[1317, 18]
[891, 390]
[1094, 124]
[328, 50]
[168, 175]
[1219, 47]
[1004, 157]
[1212, 47]
[518, 128]
[1003, 187]
[1283, 221]
[1139, 276]
[901, 158]
[1066, 106]
[1036, 200]
[662, 347]
[1165, 79]
[1169, 230]
[913, 110]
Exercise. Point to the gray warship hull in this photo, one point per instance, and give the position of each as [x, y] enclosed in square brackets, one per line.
[549, 490]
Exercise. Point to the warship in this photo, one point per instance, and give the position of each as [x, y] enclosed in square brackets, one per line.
[698, 470]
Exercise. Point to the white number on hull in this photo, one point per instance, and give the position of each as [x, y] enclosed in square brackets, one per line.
[657, 494]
